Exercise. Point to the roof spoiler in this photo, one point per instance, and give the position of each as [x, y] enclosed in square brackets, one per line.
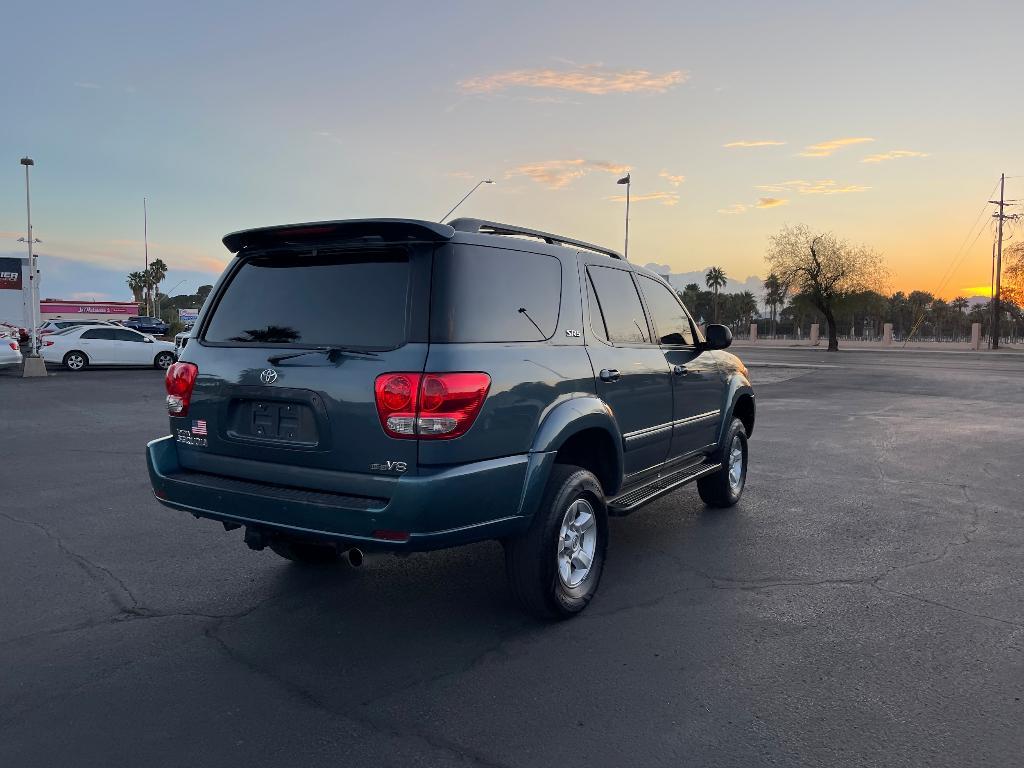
[387, 230]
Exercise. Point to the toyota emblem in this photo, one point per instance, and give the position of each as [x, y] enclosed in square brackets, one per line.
[268, 376]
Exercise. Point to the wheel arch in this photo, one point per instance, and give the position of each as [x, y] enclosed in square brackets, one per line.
[581, 431]
[740, 404]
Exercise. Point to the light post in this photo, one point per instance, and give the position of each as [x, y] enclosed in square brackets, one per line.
[168, 295]
[625, 180]
[34, 365]
[474, 189]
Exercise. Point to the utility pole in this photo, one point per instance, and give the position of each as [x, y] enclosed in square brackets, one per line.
[1002, 202]
[33, 364]
[145, 246]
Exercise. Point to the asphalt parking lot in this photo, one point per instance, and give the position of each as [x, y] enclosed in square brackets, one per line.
[862, 606]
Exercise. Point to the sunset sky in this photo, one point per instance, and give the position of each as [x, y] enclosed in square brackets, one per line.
[887, 123]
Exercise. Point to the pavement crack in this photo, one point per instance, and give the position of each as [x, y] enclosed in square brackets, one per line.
[113, 586]
[310, 699]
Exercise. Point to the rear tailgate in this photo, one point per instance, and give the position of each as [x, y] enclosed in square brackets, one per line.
[288, 354]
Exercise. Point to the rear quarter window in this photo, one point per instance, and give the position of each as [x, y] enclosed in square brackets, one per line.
[483, 294]
[351, 298]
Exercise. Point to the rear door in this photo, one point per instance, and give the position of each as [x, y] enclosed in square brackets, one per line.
[98, 345]
[631, 371]
[288, 354]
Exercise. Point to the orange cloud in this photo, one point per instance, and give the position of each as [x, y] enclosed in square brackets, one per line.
[665, 198]
[820, 187]
[735, 208]
[557, 174]
[771, 202]
[894, 154]
[749, 144]
[590, 79]
[675, 181]
[827, 148]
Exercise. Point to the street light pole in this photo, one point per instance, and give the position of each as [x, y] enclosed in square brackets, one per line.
[145, 246]
[33, 363]
[626, 180]
[474, 189]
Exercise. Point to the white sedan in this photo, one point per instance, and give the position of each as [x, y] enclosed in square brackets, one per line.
[76, 348]
[10, 353]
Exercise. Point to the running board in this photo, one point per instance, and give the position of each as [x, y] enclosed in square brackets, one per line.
[633, 499]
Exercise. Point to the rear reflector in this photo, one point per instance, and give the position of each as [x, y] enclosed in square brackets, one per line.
[181, 378]
[391, 535]
[429, 405]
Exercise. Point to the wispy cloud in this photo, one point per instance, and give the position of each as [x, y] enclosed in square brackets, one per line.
[894, 154]
[674, 180]
[819, 187]
[755, 143]
[770, 202]
[827, 148]
[90, 86]
[557, 174]
[592, 79]
[665, 198]
[735, 208]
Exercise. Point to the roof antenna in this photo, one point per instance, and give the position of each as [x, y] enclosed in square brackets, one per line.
[484, 181]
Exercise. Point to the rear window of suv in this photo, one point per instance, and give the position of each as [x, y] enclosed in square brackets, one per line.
[353, 299]
[482, 294]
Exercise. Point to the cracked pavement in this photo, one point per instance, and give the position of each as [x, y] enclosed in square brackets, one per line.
[862, 606]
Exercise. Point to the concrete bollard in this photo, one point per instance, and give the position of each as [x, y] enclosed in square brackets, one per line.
[815, 334]
[887, 334]
[975, 335]
[753, 331]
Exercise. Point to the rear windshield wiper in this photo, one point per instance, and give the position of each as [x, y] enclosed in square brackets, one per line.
[333, 353]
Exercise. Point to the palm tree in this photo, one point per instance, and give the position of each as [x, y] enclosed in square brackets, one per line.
[774, 296]
[156, 275]
[137, 283]
[958, 305]
[746, 306]
[715, 279]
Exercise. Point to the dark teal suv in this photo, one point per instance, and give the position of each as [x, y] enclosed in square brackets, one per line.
[391, 384]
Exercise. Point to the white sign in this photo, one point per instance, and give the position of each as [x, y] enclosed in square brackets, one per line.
[187, 316]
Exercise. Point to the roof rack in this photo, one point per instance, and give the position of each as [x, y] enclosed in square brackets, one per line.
[480, 226]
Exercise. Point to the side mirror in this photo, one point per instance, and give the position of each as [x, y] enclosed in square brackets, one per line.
[718, 337]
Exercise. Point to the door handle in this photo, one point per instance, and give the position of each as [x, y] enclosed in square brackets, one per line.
[609, 374]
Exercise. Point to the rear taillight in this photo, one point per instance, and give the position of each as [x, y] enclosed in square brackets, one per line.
[48, 343]
[14, 345]
[429, 405]
[181, 377]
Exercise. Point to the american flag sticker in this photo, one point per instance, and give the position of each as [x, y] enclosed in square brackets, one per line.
[199, 427]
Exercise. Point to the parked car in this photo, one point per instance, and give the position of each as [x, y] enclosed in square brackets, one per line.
[79, 347]
[152, 325]
[15, 331]
[52, 326]
[180, 340]
[404, 385]
[10, 352]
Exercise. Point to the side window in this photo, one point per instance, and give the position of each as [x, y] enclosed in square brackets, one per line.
[670, 320]
[620, 306]
[483, 294]
[98, 333]
[126, 335]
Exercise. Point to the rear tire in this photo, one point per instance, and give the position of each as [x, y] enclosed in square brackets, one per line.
[306, 552]
[75, 360]
[554, 568]
[163, 360]
[725, 487]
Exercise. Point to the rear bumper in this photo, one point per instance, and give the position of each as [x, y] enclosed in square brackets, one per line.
[437, 509]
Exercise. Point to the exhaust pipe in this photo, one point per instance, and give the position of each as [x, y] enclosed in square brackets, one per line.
[355, 557]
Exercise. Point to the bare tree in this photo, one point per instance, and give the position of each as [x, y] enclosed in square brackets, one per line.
[823, 268]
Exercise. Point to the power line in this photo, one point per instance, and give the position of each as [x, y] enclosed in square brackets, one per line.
[954, 263]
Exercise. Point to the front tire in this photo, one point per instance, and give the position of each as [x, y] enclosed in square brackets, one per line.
[554, 568]
[163, 360]
[725, 487]
[75, 360]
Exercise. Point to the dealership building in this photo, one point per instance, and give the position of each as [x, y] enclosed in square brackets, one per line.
[15, 300]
